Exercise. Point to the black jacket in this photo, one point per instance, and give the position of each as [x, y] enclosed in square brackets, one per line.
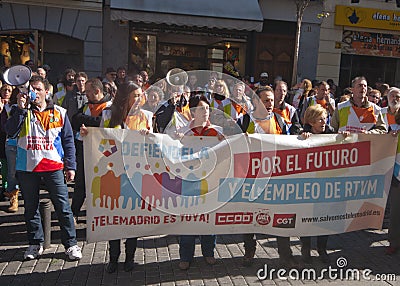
[90, 121]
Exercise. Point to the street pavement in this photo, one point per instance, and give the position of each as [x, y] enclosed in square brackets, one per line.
[157, 260]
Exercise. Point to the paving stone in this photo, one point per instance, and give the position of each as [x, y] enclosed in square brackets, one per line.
[157, 261]
[11, 268]
[168, 284]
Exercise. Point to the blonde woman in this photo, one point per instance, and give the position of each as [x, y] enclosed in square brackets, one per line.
[315, 119]
[301, 94]
[220, 94]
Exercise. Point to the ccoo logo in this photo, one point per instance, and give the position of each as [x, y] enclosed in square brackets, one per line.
[233, 218]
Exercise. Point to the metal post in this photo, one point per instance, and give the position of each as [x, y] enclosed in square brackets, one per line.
[45, 212]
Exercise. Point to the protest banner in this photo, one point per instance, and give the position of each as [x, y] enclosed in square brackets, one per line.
[139, 185]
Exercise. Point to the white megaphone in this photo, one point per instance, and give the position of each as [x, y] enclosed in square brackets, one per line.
[19, 76]
[177, 77]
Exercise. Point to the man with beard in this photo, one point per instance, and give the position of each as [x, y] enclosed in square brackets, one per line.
[66, 84]
[121, 76]
[76, 98]
[265, 121]
[263, 81]
[89, 114]
[358, 115]
[109, 80]
[322, 98]
[393, 123]
[146, 80]
[174, 113]
[240, 102]
[291, 120]
[284, 109]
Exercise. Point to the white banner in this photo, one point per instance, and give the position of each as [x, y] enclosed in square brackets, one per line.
[275, 184]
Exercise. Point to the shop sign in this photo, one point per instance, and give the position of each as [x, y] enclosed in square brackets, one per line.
[371, 44]
[367, 18]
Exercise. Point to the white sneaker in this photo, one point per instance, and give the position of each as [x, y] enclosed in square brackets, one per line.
[74, 252]
[76, 220]
[33, 252]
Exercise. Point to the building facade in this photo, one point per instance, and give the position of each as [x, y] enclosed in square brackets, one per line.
[157, 36]
[275, 45]
[60, 33]
[360, 39]
[237, 37]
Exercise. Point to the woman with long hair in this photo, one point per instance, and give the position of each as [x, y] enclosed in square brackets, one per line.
[126, 113]
[220, 93]
[301, 94]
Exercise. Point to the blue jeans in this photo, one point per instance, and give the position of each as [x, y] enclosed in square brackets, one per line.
[11, 155]
[187, 245]
[30, 187]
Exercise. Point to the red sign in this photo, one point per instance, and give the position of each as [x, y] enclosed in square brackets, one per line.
[371, 44]
[296, 161]
[284, 220]
[233, 218]
[263, 218]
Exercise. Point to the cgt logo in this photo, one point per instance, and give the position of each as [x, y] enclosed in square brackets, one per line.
[233, 218]
[284, 220]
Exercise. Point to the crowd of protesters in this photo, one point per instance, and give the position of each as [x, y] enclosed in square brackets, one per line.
[130, 101]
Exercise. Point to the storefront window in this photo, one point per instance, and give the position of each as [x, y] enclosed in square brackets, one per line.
[216, 59]
[225, 57]
[186, 57]
[20, 47]
[142, 53]
[158, 52]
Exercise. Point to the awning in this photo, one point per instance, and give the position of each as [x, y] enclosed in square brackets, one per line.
[231, 14]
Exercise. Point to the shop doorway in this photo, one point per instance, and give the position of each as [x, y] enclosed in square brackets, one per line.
[373, 68]
[18, 47]
[274, 54]
[61, 52]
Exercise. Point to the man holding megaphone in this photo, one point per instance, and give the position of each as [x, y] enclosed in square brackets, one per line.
[45, 150]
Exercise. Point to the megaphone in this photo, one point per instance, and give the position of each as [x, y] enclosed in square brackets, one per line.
[176, 77]
[19, 75]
